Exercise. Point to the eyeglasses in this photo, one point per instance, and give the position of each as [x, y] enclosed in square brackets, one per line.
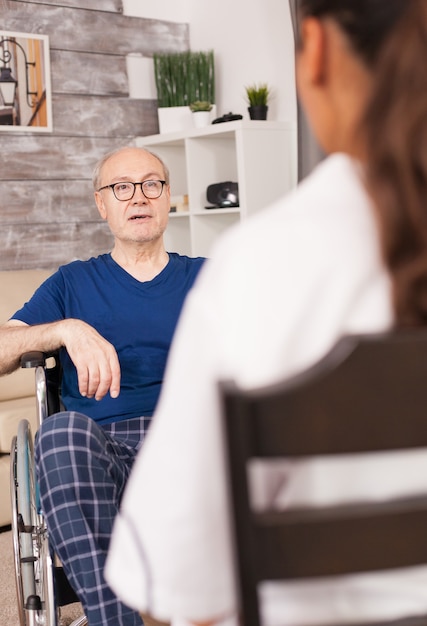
[123, 191]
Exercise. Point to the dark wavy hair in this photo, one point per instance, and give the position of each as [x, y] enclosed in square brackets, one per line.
[367, 23]
[390, 36]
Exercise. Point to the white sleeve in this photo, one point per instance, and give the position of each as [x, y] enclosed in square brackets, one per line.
[170, 553]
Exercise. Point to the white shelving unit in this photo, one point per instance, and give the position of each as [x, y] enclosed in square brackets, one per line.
[259, 156]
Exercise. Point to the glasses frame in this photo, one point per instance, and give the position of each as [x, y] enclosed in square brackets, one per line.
[129, 182]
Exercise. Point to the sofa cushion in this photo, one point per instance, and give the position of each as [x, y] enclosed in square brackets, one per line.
[16, 385]
[17, 286]
[11, 412]
[5, 512]
[17, 390]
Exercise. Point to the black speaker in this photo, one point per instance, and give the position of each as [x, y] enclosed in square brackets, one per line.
[223, 195]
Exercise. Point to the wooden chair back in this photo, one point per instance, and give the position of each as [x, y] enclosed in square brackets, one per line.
[369, 394]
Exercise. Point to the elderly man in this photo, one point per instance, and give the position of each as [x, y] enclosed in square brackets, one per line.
[112, 317]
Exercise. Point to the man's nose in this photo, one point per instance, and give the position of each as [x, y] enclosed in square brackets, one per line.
[139, 194]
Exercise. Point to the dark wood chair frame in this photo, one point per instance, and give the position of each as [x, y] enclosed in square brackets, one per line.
[369, 394]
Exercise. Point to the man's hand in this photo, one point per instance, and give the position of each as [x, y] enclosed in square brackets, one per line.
[95, 359]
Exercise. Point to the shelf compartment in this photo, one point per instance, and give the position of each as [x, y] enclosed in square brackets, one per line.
[260, 156]
[177, 235]
[173, 155]
[213, 160]
[207, 228]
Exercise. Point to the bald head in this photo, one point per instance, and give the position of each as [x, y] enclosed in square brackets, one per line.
[126, 152]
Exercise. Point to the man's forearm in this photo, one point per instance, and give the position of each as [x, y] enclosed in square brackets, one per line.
[17, 339]
[95, 359]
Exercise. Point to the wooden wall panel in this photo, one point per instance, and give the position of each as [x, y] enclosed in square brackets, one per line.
[47, 211]
[49, 157]
[123, 117]
[48, 246]
[96, 31]
[83, 73]
[47, 202]
[97, 5]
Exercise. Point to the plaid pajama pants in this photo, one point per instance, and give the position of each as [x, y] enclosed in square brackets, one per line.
[82, 471]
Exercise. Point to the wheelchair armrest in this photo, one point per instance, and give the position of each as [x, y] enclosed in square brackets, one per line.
[33, 359]
[49, 361]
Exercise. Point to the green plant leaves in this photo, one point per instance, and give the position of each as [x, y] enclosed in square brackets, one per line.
[184, 77]
[257, 94]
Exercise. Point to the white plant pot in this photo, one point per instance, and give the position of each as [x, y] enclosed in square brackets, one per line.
[177, 119]
[174, 119]
[201, 118]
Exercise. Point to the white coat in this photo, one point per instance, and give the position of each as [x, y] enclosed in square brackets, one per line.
[277, 293]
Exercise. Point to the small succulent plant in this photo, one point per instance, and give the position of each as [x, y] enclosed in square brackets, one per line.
[200, 105]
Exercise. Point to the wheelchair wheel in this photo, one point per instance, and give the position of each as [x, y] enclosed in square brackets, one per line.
[33, 563]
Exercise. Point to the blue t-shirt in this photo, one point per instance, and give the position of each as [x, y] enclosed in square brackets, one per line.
[138, 318]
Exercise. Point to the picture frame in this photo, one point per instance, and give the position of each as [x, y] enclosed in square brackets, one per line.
[25, 82]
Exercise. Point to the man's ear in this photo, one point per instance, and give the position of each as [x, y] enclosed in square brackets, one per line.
[100, 204]
[313, 49]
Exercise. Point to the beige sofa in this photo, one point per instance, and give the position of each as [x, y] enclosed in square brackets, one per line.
[17, 389]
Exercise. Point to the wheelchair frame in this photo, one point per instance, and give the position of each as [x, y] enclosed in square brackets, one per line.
[41, 586]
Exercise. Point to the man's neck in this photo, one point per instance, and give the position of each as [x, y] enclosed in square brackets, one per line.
[144, 264]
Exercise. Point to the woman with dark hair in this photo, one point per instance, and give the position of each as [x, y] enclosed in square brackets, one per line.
[345, 252]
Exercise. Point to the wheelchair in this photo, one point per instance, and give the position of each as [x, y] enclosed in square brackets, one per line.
[41, 585]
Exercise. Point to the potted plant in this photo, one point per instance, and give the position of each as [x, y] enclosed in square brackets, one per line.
[257, 96]
[183, 78]
[201, 110]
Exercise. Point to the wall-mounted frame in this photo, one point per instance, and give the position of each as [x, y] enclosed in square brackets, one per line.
[25, 88]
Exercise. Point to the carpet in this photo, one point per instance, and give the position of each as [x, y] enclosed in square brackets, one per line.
[8, 602]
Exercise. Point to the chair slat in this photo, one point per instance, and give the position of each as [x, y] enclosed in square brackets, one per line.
[369, 394]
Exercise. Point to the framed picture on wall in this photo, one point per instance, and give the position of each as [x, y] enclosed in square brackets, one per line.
[25, 88]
